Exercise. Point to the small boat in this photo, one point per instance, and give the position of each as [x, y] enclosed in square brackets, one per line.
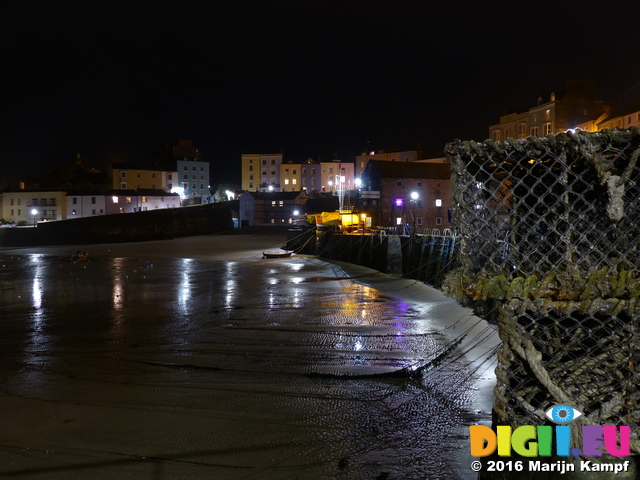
[277, 254]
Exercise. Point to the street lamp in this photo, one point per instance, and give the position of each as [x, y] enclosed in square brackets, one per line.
[414, 200]
[34, 212]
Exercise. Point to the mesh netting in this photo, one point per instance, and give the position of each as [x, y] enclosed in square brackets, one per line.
[549, 231]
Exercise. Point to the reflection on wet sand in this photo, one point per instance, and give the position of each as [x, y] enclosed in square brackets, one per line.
[208, 368]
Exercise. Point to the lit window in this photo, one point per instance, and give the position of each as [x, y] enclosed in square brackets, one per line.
[293, 182]
[114, 199]
[438, 202]
[286, 181]
[281, 203]
[398, 220]
[144, 199]
[128, 199]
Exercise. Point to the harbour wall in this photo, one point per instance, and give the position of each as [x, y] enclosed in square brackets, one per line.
[426, 258]
[125, 227]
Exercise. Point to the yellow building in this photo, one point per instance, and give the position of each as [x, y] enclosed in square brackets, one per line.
[261, 172]
[133, 177]
[31, 206]
[290, 177]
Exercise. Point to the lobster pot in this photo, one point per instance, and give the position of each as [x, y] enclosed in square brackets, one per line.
[549, 230]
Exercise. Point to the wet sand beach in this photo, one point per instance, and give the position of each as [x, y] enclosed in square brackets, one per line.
[195, 358]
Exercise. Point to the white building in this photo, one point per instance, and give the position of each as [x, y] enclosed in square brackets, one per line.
[85, 203]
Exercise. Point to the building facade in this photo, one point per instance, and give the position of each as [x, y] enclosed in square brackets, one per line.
[27, 207]
[131, 201]
[125, 176]
[291, 177]
[261, 172]
[269, 208]
[407, 196]
[569, 108]
[384, 156]
[85, 203]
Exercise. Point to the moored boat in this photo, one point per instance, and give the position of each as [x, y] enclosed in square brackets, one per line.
[277, 253]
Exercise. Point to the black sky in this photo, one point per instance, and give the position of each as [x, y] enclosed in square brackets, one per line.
[112, 80]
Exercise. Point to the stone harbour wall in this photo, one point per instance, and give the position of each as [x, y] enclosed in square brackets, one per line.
[125, 227]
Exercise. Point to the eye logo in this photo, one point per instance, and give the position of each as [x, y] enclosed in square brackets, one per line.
[562, 414]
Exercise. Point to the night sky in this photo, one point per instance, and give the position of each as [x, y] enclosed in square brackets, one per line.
[113, 80]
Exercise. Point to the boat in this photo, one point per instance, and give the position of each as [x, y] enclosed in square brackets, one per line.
[277, 254]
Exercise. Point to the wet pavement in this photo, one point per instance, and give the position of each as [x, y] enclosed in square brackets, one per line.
[194, 368]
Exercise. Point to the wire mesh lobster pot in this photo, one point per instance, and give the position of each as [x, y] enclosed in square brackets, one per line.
[549, 230]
